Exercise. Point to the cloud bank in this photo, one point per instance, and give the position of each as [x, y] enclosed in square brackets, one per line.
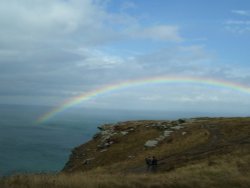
[51, 50]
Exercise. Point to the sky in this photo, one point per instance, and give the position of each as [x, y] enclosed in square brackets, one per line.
[53, 50]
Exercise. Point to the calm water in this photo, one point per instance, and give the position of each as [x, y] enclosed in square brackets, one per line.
[28, 147]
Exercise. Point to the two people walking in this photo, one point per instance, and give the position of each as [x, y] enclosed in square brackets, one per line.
[151, 163]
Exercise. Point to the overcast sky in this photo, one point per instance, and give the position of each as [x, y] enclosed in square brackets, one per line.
[52, 50]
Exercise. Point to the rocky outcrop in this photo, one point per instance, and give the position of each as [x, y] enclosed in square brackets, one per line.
[108, 133]
[168, 128]
[123, 147]
[139, 134]
[151, 143]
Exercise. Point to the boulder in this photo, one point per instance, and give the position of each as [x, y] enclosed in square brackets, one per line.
[180, 121]
[167, 133]
[177, 127]
[124, 133]
[158, 124]
[100, 128]
[131, 129]
[103, 150]
[151, 143]
[160, 138]
[87, 161]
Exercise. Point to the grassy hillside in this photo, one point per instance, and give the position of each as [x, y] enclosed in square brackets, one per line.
[203, 152]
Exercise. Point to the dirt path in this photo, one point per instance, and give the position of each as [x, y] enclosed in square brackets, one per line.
[215, 145]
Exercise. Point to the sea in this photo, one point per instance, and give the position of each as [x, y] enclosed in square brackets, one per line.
[28, 147]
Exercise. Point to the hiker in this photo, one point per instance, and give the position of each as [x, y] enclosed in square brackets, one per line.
[148, 161]
[154, 164]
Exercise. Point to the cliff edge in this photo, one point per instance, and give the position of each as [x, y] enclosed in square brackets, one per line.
[198, 152]
[123, 147]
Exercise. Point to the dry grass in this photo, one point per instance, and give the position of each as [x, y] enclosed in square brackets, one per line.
[229, 171]
[117, 157]
[113, 168]
[130, 145]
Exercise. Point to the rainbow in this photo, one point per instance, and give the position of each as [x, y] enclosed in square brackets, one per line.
[139, 82]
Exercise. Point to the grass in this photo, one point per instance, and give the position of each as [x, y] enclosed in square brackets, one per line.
[117, 157]
[230, 169]
[225, 172]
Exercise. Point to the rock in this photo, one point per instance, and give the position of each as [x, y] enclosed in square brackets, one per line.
[177, 127]
[151, 143]
[131, 129]
[87, 161]
[183, 133]
[124, 133]
[160, 138]
[100, 128]
[105, 127]
[164, 126]
[100, 146]
[106, 138]
[190, 120]
[106, 132]
[105, 144]
[158, 124]
[174, 123]
[167, 133]
[103, 150]
[180, 121]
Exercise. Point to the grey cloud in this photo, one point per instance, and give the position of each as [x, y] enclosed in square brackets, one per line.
[52, 49]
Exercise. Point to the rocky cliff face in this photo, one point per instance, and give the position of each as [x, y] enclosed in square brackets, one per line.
[113, 139]
[124, 146]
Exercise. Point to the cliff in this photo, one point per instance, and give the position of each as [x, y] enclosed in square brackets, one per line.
[123, 147]
[199, 152]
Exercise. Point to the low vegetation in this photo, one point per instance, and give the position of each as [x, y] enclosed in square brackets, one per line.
[213, 152]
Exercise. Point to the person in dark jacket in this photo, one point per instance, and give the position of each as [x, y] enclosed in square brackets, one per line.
[154, 164]
[148, 161]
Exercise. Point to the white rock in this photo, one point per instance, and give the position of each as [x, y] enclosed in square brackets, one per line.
[103, 150]
[131, 129]
[106, 132]
[164, 126]
[151, 143]
[167, 133]
[177, 127]
[87, 161]
[160, 138]
[124, 133]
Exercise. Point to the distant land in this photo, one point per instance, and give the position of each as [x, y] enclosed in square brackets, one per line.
[191, 152]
